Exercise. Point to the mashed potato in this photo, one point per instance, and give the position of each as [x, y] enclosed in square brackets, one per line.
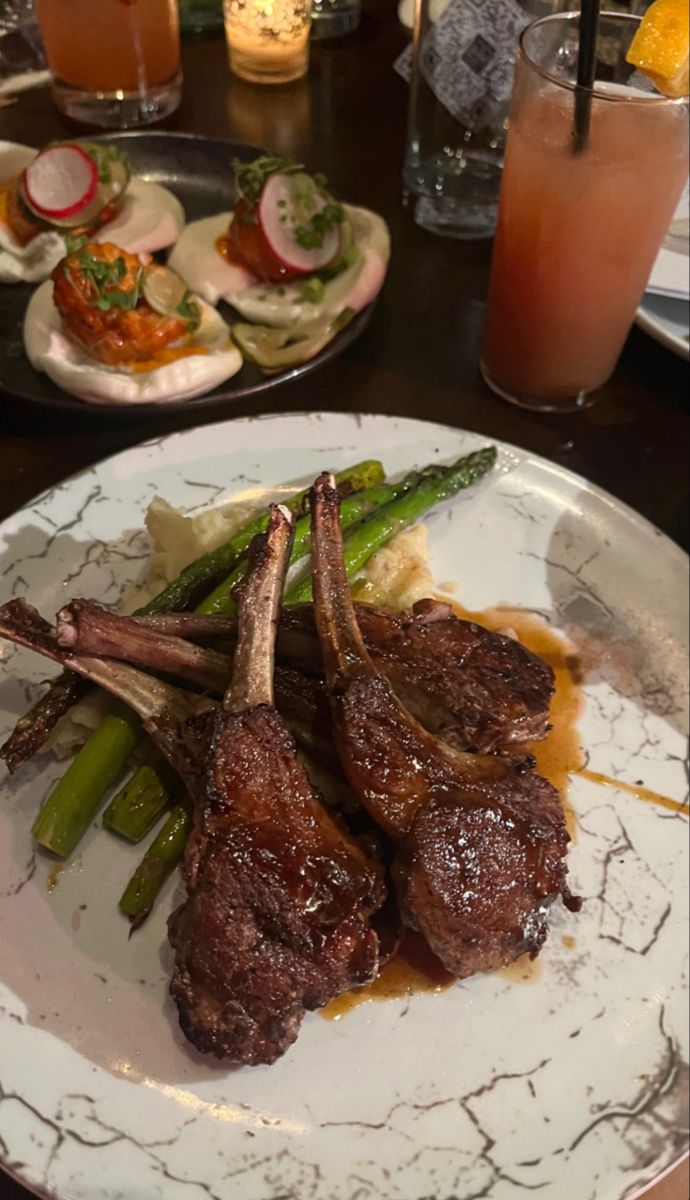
[398, 575]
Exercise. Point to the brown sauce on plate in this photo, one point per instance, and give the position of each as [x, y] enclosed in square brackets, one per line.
[413, 968]
[638, 790]
[560, 755]
[54, 875]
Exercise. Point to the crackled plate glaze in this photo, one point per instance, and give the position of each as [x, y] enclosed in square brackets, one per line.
[572, 1086]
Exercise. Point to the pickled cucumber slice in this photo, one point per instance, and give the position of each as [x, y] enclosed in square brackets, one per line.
[169, 295]
[277, 349]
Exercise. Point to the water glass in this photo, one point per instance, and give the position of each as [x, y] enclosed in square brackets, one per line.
[20, 41]
[113, 64]
[201, 16]
[268, 40]
[460, 70]
[580, 220]
[333, 18]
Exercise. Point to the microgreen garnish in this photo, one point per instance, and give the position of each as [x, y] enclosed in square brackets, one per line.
[74, 244]
[310, 212]
[15, 349]
[312, 289]
[311, 235]
[189, 309]
[104, 158]
[105, 277]
[251, 177]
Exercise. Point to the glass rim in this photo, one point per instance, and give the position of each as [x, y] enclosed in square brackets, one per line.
[596, 91]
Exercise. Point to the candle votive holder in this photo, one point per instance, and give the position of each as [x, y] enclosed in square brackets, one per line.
[268, 40]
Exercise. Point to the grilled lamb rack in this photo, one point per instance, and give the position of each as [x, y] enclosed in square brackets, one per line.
[279, 896]
[474, 688]
[480, 840]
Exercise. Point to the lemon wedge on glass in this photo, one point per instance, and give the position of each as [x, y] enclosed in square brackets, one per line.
[661, 46]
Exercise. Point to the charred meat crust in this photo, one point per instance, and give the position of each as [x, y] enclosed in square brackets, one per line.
[279, 898]
[470, 690]
[477, 689]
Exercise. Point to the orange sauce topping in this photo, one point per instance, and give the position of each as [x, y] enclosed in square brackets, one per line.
[4, 195]
[223, 248]
[168, 354]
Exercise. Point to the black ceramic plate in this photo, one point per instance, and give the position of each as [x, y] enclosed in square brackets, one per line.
[199, 172]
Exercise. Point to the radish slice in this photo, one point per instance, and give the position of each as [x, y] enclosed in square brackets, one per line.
[60, 182]
[287, 202]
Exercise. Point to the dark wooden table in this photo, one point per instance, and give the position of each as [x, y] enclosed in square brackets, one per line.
[419, 355]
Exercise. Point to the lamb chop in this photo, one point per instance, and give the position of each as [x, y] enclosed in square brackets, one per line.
[476, 689]
[480, 840]
[279, 895]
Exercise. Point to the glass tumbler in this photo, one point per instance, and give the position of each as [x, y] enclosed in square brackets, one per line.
[580, 223]
[115, 63]
[268, 40]
[201, 16]
[333, 18]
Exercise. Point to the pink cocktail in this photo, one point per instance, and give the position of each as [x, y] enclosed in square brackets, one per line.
[578, 230]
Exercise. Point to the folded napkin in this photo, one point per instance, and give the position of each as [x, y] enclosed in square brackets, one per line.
[671, 272]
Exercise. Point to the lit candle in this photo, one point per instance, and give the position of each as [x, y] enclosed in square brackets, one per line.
[268, 40]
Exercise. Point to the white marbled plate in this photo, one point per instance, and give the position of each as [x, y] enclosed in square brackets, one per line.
[570, 1087]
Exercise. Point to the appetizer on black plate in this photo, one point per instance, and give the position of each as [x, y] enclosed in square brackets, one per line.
[290, 259]
[112, 328]
[76, 188]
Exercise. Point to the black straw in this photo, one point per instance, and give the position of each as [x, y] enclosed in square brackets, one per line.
[586, 72]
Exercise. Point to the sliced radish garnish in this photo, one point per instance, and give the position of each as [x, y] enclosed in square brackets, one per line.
[60, 182]
[281, 212]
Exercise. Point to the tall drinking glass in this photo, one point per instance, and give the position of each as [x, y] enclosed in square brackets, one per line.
[578, 228]
[115, 63]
